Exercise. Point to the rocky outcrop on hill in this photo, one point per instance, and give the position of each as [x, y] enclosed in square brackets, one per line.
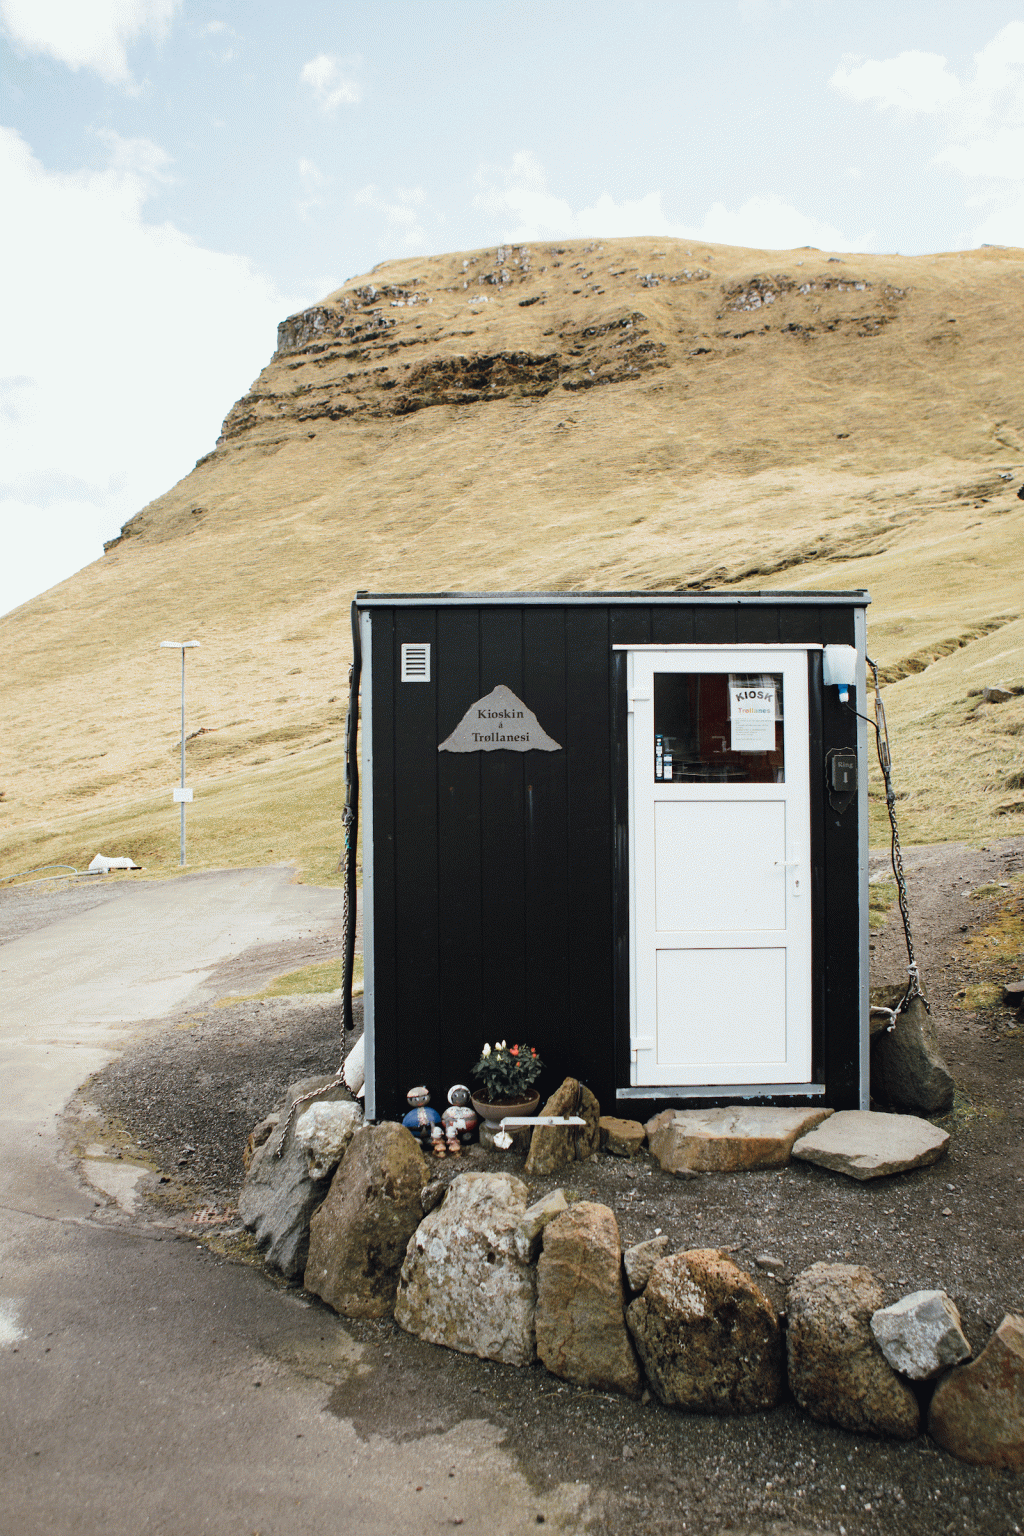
[390, 349]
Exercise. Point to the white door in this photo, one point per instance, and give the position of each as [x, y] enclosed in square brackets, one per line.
[720, 866]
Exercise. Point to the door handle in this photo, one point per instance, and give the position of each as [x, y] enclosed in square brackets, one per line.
[796, 883]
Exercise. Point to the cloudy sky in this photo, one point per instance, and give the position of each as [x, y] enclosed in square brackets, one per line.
[177, 175]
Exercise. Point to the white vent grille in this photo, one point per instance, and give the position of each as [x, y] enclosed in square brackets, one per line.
[415, 663]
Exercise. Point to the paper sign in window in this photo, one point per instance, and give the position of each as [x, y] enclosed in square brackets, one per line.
[752, 719]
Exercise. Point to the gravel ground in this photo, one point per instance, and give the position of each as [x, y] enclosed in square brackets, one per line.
[24, 908]
[186, 1099]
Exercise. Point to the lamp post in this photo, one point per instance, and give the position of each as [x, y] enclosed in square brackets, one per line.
[181, 794]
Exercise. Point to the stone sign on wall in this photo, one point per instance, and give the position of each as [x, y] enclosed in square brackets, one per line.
[499, 722]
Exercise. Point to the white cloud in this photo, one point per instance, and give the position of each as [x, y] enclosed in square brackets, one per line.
[1000, 155]
[400, 212]
[124, 347]
[982, 120]
[331, 85]
[87, 34]
[987, 135]
[997, 66]
[769, 223]
[914, 82]
[523, 208]
[312, 182]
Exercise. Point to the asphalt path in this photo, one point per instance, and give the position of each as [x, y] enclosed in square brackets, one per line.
[146, 1384]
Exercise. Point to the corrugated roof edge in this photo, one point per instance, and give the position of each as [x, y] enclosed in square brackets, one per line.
[860, 598]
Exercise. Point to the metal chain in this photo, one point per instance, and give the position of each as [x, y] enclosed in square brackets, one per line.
[885, 763]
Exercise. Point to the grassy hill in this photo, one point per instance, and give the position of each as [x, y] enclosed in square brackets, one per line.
[625, 413]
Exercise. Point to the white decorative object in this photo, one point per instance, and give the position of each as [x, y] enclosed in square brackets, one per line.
[354, 1072]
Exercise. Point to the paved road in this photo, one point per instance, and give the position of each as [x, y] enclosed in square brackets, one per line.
[145, 1384]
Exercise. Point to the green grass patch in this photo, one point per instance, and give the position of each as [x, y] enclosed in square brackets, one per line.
[326, 976]
[982, 994]
[880, 900]
[965, 1113]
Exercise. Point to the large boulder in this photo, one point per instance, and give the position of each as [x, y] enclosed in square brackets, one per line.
[920, 1335]
[837, 1372]
[707, 1336]
[463, 1283]
[907, 1069]
[358, 1237]
[555, 1146]
[581, 1328]
[868, 1145]
[977, 1413]
[728, 1140]
[284, 1185]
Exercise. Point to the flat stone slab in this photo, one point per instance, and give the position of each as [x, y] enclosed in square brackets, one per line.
[728, 1140]
[868, 1145]
[623, 1138]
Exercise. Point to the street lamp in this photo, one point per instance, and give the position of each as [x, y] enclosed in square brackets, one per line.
[181, 794]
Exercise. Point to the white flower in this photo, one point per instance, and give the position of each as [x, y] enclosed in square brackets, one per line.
[503, 1046]
[487, 1050]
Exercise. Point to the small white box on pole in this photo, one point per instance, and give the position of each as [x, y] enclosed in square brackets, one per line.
[182, 794]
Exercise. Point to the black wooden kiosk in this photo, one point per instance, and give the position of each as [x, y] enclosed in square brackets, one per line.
[626, 828]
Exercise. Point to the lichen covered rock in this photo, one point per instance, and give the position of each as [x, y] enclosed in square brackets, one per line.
[581, 1328]
[555, 1146]
[977, 1413]
[707, 1336]
[280, 1192]
[463, 1283]
[359, 1235]
[837, 1371]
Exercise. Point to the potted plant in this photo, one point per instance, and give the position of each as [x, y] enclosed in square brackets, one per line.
[507, 1074]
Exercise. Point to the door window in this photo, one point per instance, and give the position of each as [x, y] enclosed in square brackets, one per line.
[719, 728]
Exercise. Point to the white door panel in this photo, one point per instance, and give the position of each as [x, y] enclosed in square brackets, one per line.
[690, 986]
[720, 854]
[720, 864]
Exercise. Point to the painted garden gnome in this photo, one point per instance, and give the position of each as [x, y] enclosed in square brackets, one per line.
[459, 1119]
[421, 1119]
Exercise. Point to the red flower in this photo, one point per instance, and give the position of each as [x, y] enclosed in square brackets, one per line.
[514, 1051]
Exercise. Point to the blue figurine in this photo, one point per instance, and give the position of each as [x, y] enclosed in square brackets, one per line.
[421, 1119]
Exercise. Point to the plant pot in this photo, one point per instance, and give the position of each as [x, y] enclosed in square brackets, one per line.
[491, 1116]
[495, 1113]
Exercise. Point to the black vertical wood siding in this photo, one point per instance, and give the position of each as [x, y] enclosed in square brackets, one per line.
[500, 878]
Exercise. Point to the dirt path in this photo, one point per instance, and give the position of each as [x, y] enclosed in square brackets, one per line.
[185, 1100]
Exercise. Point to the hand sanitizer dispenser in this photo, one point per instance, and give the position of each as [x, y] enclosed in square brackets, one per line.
[840, 669]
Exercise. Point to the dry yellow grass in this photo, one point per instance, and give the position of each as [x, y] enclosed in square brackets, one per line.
[629, 414]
